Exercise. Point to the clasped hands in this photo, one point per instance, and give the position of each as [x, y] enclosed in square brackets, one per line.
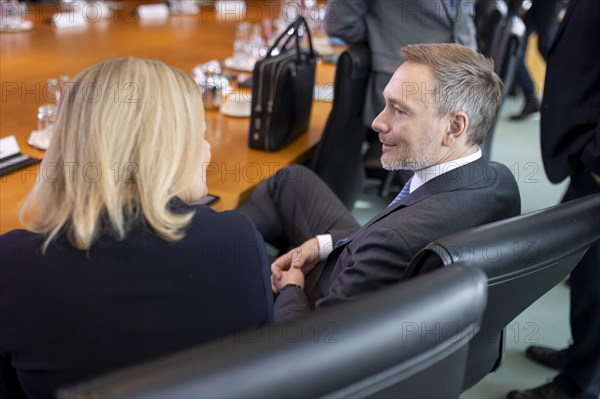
[292, 267]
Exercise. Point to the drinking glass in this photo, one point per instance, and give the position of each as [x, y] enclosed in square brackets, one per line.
[47, 112]
[241, 48]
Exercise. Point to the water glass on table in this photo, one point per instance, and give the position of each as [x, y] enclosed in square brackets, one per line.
[47, 111]
[46, 117]
[47, 114]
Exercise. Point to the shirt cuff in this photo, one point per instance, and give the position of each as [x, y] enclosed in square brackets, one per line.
[325, 245]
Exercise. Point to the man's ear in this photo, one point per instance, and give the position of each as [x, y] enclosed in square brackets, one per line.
[457, 127]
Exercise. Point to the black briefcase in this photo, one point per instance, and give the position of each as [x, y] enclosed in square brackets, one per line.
[282, 90]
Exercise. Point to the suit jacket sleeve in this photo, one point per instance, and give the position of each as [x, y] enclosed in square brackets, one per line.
[374, 261]
[346, 20]
[291, 304]
[591, 152]
[4, 368]
[9, 383]
[571, 103]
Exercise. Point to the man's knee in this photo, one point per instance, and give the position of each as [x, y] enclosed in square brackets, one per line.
[295, 175]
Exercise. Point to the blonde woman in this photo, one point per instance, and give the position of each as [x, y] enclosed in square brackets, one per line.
[117, 265]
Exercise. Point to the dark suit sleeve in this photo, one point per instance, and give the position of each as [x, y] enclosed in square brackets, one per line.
[4, 370]
[590, 155]
[340, 234]
[9, 384]
[571, 104]
[291, 304]
[346, 20]
[377, 261]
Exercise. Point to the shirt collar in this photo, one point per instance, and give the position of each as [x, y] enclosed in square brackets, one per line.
[424, 175]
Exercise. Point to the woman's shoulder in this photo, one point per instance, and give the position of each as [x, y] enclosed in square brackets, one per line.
[232, 223]
[207, 218]
[19, 238]
[206, 213]
[228, 238]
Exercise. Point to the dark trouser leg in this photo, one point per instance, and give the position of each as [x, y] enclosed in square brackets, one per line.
[295, 205]
[581, 375]
[522, 76]
[524, 81]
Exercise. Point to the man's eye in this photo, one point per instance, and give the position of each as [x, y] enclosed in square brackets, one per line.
[398, 111]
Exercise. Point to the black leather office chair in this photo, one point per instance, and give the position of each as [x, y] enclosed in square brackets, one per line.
[337, 159]
[523, 257]
[505, 65]
[491, 20]
[409, 341]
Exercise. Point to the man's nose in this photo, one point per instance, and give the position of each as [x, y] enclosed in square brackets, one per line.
[379, 124]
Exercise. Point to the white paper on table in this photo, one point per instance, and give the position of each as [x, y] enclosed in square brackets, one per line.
[8, 147]
[323, 93]
[69, 19]
[153, 11]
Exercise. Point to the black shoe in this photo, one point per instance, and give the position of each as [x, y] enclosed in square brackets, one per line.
[553, 358]
[531, 107]
[546, 391]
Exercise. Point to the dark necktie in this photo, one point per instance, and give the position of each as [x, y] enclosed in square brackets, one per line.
[403, 194]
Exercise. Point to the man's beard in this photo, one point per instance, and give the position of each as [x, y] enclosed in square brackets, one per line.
[416, 160]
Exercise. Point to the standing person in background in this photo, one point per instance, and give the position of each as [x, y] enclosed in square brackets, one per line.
[119, 265]
[570, 137]
[542, 18]
[389, 25]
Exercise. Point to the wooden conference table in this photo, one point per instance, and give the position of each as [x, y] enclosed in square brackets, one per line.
[29, 58]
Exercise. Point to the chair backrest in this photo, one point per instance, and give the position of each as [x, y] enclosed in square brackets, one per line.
[523, 257]
[506, 61]
[405, 342]
[337, 159]
[491, 20]
[509, 51]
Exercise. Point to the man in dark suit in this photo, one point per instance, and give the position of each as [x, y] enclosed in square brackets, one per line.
[439, 105]
[570, 136]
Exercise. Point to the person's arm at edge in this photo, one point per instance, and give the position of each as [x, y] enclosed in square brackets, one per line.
[346, 20]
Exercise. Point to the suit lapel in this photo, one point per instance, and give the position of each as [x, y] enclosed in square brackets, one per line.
[455, 179]
[561, 27]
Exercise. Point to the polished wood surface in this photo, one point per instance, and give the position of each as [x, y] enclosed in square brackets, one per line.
[30, 58]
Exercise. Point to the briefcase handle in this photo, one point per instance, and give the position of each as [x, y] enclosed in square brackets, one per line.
[294, 28]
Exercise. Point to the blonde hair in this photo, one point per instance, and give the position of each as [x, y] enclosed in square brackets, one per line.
[466, 82]
[127, 139]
